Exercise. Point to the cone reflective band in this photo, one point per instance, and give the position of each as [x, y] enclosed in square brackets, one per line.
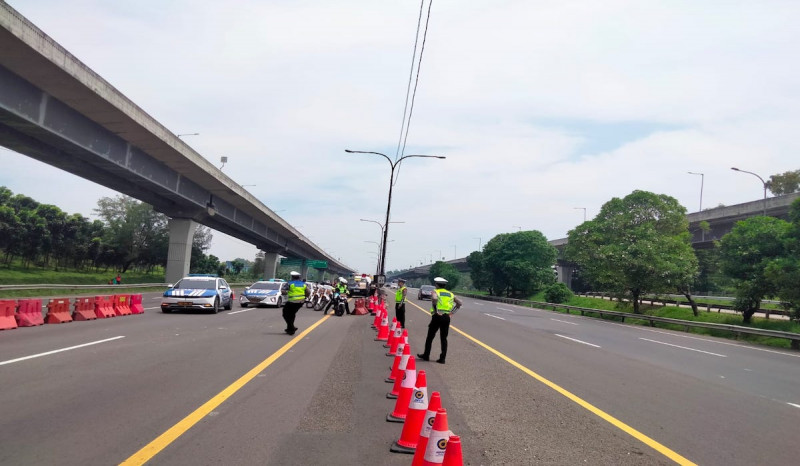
[437, 441]
[406, 390]
[427, 424]
[383, 330]
[394, 340]
[394, 373]
[401, 370]
[416, 415]
[452, 455]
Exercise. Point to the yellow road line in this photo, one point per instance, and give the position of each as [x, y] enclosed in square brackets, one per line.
[674, 456]
[162, 441]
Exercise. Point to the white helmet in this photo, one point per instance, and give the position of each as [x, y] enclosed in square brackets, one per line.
[342, 280]
[294, 274]
[439, 280]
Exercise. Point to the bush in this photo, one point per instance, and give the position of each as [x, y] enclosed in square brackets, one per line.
[557, 293]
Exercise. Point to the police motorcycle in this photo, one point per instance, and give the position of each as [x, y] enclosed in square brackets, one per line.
[312, 300]
[339, 303]
[323, 299]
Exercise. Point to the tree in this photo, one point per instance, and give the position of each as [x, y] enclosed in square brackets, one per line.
[745, 254]
[784, 272]
[136, 233]
[477, 271]
[519, 264]
[636, 245]
[446, 271]
[784, 183]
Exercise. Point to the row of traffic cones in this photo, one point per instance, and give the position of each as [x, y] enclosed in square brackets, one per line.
[425, 432]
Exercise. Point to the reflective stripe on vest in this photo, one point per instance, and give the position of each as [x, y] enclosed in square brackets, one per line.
[399, 295]
[444, 302]
[297, 292]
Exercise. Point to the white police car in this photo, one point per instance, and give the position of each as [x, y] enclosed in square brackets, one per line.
[198, 292]
[263, 292]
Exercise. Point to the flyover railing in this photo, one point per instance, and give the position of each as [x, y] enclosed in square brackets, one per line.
[737, 330]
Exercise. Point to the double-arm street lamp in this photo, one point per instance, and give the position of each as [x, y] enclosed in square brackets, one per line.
[702, 180]
[380, 245]
[389, 202]
[764, 213]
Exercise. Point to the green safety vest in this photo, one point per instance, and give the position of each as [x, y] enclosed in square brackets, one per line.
[297, 292]
[398, 297]
[445, 301]
[342, 288]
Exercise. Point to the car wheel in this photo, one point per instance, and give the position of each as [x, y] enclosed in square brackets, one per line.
[229, 305]
[215, 309]
[165, 310]
[242, 304]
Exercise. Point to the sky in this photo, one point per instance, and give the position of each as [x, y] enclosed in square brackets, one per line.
[541, 108]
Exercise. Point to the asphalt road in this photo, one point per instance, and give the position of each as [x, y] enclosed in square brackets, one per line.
[521, 386]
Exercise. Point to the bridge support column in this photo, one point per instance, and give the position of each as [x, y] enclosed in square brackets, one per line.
[181, 234]
[304, 269]
[565, 274]
[270, 264]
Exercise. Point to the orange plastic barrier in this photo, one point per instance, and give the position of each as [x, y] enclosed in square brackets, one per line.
[136, 304]
[83, 309]
[103, 307]
[8, 309]
[122, 304]
[58, 311]
[29, 313]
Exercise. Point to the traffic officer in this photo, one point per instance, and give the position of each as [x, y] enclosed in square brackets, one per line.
[296, 292]
[400, 302]
[341, 288]
[443, 303]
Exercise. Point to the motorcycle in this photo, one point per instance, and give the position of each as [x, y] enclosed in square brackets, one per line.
[340, 304]
[312, 300]
[322, 302]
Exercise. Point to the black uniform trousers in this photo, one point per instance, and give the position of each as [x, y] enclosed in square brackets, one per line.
[440, 323]
[289, 311]
[400, 313]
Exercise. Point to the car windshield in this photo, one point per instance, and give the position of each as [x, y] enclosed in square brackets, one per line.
[426, 288]
[266, 286]
[197, 284]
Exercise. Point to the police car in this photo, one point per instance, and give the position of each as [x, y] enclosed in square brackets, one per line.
[263, 292]
[198, 292]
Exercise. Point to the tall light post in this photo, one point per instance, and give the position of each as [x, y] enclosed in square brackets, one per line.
[764, 213]
[702, 180]
[584, 212]
[519, 228]
[381, 226]
[454, 252]
[391, 183]
[479, 242]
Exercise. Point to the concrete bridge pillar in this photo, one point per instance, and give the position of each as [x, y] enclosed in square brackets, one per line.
[181, 234]
[304, 269]
[270, 264]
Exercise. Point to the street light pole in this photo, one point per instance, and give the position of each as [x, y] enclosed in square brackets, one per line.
[764, 212]
[389, 202]
[584, 212]
[479, 242]
[702, 180]
[380, 225]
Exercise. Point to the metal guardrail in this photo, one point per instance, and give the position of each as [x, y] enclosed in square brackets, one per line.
[794, 338]
[683, 302]
[79, 287]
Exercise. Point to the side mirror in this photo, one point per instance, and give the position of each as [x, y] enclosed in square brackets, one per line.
[170, 285]
[223, 287]
[246, 288]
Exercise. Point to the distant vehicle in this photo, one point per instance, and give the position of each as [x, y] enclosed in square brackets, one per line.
[425, 292]
[393, 285]
[359, 285]
[263, 292]
[198, 292]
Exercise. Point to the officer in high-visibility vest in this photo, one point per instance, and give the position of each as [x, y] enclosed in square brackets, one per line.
[341, 288]
[443, 303]
[296, 292]
[400, 301]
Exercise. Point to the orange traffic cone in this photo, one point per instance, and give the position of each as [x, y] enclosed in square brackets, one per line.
[452, 455]
[434, 405]
[398, 358]
[437, 442]
[406, 390]
[392, 329]
[400, 375]
[416, 414]
[383, 330]
[396, 339]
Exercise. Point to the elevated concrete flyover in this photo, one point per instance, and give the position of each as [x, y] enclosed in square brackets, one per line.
[55, 109]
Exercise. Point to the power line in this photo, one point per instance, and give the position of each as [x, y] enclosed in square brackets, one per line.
[410, 75]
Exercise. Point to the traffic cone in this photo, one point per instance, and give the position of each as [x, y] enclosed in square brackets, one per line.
[401, 371]
[398, 359]
[437, 441]
[383, 330]
[452, 454]
[434, 405]
[392, 329]
[416, 414]
[397, 338]
[406, 390]
[377, 320]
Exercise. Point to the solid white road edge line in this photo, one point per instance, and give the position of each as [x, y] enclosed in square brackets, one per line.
[496, 317]
[243, 310]
[792, 404]
[683, 347]
[564, 321]
[2, 363]
[577, 341]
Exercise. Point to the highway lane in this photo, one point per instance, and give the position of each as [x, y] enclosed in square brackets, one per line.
[712, 400]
